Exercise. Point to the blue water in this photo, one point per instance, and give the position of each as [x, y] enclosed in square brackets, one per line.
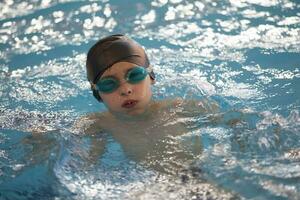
[244, 54]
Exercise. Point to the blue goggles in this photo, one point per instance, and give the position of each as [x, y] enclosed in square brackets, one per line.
[133, 76]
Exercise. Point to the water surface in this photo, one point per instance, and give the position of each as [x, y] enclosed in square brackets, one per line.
[244, 54]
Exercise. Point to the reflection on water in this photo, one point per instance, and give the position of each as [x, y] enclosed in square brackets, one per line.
[244, 54]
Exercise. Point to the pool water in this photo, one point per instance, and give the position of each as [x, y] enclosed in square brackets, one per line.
[243, 54]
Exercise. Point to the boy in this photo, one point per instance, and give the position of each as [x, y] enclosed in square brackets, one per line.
[150, 132]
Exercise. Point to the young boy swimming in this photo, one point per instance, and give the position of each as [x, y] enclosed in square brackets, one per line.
[121, 77]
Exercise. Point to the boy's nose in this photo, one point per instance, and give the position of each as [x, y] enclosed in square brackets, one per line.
[125, 89]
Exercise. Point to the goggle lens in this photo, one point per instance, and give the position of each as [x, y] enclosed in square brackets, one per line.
[136, 75]
[108, 85]
[133, 76]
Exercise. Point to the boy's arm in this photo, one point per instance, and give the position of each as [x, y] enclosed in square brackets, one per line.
[90, 125]
[212, 112]
[97, 148]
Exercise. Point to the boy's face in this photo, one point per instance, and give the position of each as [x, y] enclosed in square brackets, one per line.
[129, 99]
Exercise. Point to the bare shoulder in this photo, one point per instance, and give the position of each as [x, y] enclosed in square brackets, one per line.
[169, 103]
[204, 105]
[91, 123]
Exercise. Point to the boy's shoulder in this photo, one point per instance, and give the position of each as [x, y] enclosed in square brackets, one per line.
[91, 123]
[169, 103]
[204, 105]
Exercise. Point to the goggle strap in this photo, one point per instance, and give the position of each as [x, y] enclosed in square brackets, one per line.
[93, 85]
[149, 69]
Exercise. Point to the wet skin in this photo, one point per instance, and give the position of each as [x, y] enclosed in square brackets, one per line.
[154, 138]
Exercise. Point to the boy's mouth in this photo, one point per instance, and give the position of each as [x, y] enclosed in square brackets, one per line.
[129, 103]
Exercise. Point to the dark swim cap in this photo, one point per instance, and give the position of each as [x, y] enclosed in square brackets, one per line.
[110, 50]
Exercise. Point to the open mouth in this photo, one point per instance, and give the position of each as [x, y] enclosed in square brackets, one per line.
[129, 103]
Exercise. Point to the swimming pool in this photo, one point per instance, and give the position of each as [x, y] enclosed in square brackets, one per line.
[244, 54]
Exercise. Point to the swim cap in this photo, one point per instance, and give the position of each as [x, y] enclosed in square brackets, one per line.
[110, 50]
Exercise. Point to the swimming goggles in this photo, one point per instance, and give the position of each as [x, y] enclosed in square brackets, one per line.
[133, 76]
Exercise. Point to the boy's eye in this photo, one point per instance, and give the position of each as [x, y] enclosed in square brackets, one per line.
[107, 85]
[136, 75]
